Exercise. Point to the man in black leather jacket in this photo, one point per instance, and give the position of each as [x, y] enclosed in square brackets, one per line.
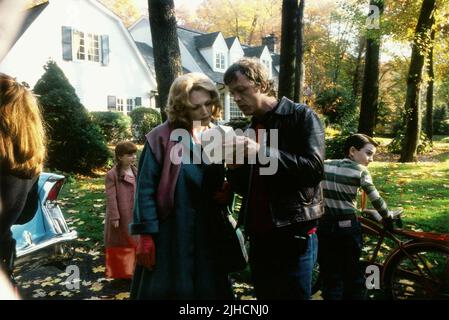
[280, 209]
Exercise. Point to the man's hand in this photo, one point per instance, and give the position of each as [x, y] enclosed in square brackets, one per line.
[146, 251]
[115, 223]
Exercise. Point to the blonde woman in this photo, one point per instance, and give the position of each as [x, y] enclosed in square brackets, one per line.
[22, 153]
[174, 207]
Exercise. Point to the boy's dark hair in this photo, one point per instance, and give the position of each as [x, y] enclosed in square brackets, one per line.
[358, 141]
[255, 71]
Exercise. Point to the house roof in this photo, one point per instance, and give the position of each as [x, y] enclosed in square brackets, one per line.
[31, 15]
[230, 41]
[253, 51]
[194, 40]
[189, 38]
[276, 59]
[148, 55]
[206, 40]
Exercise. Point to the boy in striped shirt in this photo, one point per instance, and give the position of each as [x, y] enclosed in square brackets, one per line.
[340, 235]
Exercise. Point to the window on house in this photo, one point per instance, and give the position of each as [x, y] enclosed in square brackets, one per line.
[220, 61]
[93, 48]
[79, 44]
[129, 105]
[112, 103]
[86, 46]
[119, 104]
[234, 111]
[138, 101]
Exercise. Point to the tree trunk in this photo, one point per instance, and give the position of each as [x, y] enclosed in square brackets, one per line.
[358, 67]
[167, 57]
[370, 90]
[414, 79]
[253, 28]
[299, 72]
[429, 97]
[288, 49]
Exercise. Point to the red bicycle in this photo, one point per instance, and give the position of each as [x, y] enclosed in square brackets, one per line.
[412, 264]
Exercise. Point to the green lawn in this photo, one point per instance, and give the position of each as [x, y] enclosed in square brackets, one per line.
[422, 189]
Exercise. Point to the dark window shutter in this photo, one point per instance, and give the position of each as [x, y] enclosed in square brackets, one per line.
[67, 43]
[138, 102]
[105, 50]
[112, 103]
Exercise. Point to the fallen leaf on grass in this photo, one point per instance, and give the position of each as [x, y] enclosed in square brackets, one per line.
[247, 298]
[96, 287]
[66, 294]
[122, 295]
[39, 293]
[98, 269]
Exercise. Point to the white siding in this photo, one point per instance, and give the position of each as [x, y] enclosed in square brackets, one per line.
[235, 52]
[126, 76]
[141, 32]
[187, 60]
[220, 46]
[208, 55]
[266, 56]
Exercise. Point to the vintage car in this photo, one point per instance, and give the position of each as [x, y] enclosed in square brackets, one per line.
[45, 239]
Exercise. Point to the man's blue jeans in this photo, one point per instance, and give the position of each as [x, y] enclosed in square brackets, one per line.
[282, 265]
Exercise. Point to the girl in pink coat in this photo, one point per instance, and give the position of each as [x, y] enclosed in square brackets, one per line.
[120, 185]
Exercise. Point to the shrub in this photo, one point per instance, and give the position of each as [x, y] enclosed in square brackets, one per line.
[334, 146]
[75, 142]
[424, 144]
[115, 126]
[238, 123]
[143, 121]
[441, 120]
[338, 108]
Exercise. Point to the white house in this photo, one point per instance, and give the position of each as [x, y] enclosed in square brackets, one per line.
[93, 48]
[209, 53]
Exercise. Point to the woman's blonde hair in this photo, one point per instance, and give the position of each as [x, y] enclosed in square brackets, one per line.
[179, 98]
[22, 134]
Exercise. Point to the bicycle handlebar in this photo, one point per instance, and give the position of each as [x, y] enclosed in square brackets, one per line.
[374, 215]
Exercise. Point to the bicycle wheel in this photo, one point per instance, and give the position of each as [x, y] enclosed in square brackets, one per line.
[421, 271]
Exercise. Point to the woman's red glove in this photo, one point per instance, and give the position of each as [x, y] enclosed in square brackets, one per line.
[146, 251]
[223, 196]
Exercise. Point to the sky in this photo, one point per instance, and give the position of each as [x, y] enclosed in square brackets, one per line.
[192, 4]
